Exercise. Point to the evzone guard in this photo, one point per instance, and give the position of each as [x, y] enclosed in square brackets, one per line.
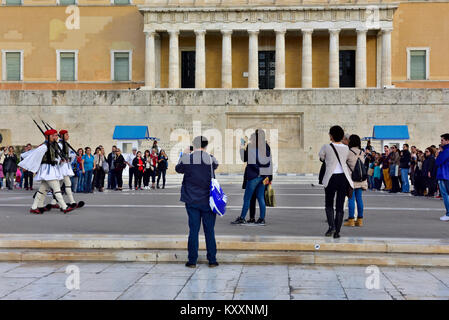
[66, 171]
[43, 161]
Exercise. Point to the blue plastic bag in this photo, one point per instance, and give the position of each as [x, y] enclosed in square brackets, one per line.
[217, 198]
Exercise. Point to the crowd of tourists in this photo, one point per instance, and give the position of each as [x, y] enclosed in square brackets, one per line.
[348, 170]
[94, 170]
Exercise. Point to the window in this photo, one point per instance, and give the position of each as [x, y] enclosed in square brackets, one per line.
[66, 2]
[121, 2]
[121, 65]
[418, 63]
[67, 65]
[13, 2]
[12, 65]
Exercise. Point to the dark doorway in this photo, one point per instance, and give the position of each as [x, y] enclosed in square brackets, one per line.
[267, 69]
[187, 69]
[347, 68]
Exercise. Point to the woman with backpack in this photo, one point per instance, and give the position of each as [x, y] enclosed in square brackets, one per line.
[359, 178]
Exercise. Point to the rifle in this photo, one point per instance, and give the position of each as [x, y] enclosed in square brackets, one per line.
[58, 150]
[68, 144]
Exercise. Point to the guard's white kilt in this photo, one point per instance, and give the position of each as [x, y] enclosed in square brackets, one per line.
[48, 172]
[66, 169]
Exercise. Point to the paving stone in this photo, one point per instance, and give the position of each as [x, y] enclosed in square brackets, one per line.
[210, 285]
[185, 295]
[38, 292]
[7, 266]
[108, 282]
[91, 295]
[366, 294]
[151, 292]
[155, 280]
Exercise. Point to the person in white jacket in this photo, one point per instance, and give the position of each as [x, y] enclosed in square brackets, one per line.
[43, 161]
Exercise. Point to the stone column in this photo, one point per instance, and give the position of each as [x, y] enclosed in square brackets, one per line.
[253, 59]
[280, 59]
[150, 60]
[200, 60]
[306, 70]
[173, 72]
[226, 59]
[360, 59]
[334, 68]
[386, 57]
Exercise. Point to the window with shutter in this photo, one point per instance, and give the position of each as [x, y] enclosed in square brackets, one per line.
[121, 1]
[13, 2]
[67, 66]
[121, 66]
[13, 66]
[418, 64]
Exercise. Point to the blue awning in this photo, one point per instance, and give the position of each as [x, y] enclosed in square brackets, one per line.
[131, 133]
[390, 133]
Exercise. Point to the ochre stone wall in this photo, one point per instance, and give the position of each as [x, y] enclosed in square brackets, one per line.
[40, 30]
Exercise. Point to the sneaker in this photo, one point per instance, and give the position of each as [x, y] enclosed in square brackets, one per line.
[444, 218]
[213, 264]
[251, 221]
[239, 220]
[190, 265]
[260, 222]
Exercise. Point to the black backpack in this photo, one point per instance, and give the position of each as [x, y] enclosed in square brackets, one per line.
[359, 174]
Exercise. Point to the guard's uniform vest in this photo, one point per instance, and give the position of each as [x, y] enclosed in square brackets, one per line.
[65, 149]
[50, 155]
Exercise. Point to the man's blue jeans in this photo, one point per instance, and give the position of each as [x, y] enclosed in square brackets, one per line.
[444, 190]
[404, 179]
[198, 213]
[80, 187]
[88, 181]
[356, 196]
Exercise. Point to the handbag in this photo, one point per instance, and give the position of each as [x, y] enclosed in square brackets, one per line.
[350, 190]
[217, 198]
[322, 172]
[270, 200]
[105, 167]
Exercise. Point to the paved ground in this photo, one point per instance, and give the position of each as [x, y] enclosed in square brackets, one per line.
[107, 281]
[299, 212]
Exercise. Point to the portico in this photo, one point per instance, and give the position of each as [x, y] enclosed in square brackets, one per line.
[308, 22]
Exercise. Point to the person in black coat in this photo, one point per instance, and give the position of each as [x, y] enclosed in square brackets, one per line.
[198, 167]
[119, 165]
[162, 165]
[429, 172]
[252, 204]
[112, 181]
[257, 172]
[10, 168]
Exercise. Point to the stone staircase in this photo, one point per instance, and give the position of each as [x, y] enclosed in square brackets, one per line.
[231, 249]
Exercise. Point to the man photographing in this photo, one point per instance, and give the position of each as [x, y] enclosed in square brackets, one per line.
[197, 167]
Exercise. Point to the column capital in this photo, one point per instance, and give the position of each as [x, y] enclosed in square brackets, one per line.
[386, 30]
[200, 32]
[361, 30]
[253, 32]
[150, 33]
[173, 32]
[334, 31]
[226, 32]
[280, 31]
[307, 31]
